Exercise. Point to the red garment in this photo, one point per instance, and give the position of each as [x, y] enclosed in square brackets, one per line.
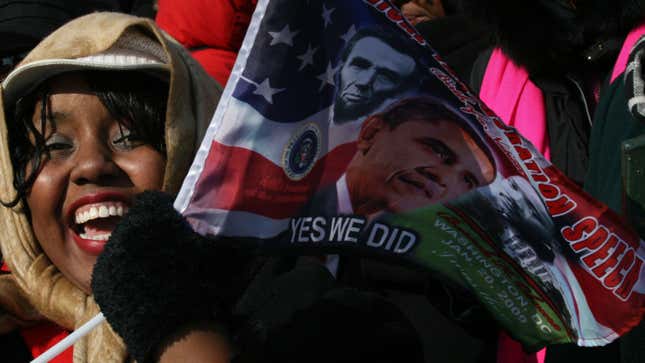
[43, 336]
[213, 30]
[511, 351]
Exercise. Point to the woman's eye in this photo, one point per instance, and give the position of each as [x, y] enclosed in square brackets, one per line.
[127, 140]
[58, 143]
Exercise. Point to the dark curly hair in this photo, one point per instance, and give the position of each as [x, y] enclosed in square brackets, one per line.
[136, 100]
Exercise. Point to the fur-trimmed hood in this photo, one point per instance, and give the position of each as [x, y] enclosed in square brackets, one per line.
[550, 36]
[192, 99]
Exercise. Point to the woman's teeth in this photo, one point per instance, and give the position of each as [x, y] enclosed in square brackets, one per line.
[99, 237]
[99, 210]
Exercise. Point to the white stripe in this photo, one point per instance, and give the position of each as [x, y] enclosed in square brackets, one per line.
[242, 126]
[234, 223]
[582, 318]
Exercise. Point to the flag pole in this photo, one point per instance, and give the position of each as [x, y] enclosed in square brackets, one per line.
[75, 336]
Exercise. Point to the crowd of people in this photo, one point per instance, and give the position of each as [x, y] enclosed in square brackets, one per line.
[104, 100]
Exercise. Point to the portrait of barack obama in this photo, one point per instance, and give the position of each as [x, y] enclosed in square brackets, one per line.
[414, 154]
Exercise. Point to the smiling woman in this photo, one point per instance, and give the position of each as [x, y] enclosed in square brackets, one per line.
[98, 112]
[95, 139]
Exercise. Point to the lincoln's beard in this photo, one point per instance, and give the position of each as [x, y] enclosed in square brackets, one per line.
[344, 113]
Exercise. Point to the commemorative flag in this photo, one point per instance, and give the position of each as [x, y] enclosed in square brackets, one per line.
[342, 132]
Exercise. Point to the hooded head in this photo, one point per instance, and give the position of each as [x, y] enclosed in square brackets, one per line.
[551, 36]
[91, 150]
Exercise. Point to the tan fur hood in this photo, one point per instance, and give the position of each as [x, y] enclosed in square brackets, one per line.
[192, 100]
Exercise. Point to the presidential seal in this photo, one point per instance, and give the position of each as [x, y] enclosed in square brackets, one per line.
[301, 152]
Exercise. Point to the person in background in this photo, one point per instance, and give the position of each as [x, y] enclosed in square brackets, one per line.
[103, 108]
[211, 30]
[25, 23]
[616, 158]
[544, 77]
[417, 11]
[455, 36]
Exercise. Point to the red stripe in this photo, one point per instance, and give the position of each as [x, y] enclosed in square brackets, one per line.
[240, 179]
[608, 310]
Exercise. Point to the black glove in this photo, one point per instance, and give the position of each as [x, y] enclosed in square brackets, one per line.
[156, 277]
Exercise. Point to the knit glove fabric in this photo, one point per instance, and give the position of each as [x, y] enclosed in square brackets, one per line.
[156, 277]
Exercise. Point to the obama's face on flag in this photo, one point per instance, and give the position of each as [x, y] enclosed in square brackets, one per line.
[372, 71]
[414, 155]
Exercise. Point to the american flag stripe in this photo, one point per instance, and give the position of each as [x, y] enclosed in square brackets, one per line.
[236, 178]
[246, 128]
[222, 222]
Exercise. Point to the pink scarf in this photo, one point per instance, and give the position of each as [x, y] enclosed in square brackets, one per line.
[507, 90]
[621, 61]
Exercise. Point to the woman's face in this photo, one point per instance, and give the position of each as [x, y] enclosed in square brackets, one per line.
[83, 190]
